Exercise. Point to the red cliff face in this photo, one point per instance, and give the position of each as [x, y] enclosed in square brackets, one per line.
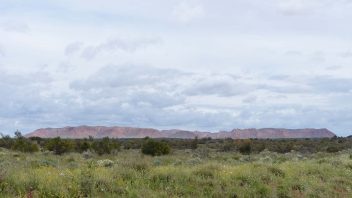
[129, 132]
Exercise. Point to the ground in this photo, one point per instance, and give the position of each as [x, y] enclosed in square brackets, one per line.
[183, 173]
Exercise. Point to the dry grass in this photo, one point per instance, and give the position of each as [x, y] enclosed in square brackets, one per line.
[180, 174]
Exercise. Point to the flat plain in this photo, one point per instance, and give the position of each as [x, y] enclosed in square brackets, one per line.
[200, 172]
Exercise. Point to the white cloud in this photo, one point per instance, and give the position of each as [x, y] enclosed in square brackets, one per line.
[118, 44]
[186, 11]
[297, 7]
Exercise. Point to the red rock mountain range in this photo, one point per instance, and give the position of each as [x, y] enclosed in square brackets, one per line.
[130, 132]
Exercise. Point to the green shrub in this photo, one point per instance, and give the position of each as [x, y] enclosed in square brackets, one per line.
[276, 171]
[154, 148]
[82, 146]
[24, 145]
[105, 146]
[105, 163]
[245, 148]
[332, 149]
[58, 146]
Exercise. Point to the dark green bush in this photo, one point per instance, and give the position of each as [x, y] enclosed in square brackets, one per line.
[154, 148]
[24, 145]
[332, 149]
[105, 146]
[59, 146]
[245, 148]
[82, 146]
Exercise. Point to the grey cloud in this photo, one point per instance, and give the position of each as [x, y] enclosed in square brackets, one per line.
[286, 88]
[73, 48]
[141, 77]
[308, 84]
[156, 99]
[279, 77]
[334, 67]
[220, 85]
[293, 53]
[117, 44]
[152, 97]
[185, 12]
[114, 79]
[329, 84]
[301, 7]
[128, 75]
[293, 116]
[298, 7]
[2, 52]
[250, 99]
[13, 26]
[346, 54]
[22, 99]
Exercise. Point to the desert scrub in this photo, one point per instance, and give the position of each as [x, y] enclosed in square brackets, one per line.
[105, 163]
[180, 174]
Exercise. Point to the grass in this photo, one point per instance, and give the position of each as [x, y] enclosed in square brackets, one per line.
[183, 173]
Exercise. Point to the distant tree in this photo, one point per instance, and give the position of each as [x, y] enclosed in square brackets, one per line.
[82, 146]
[58, 145]
[105, 146]
[91, 138]
[194, 143]
[18, 134]
[154, 148]
[24, 145]
[227, 146]
[6, 141]
[332, 149]
[245, 147]
[35, 138]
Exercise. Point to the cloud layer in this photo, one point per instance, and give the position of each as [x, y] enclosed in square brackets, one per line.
[199, 64]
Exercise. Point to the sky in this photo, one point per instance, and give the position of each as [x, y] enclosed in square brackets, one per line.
[188, 64]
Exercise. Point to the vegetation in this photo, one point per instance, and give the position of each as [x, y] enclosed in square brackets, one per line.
[58, 146]
[103, 146]
[154, 148]
[175, 168]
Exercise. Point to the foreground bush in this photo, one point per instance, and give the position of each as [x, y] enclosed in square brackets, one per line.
[155, 148]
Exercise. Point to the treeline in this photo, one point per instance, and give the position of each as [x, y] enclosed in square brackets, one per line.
[163, 146]
[101, 146]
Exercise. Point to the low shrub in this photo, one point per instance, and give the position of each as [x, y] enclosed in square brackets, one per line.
[105, 163]
[276, 171]
[332, 149]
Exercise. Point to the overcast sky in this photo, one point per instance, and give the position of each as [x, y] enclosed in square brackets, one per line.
[189, 64]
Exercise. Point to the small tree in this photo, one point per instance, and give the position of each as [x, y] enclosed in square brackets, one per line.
[24, 145]
[154, 148]
[6, 141]
[59, 146]
[105, 146]
[194, 143]
[82, 146]
[245, 148]
[333, 149]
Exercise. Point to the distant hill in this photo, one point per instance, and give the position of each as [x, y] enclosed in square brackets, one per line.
[130, 132]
